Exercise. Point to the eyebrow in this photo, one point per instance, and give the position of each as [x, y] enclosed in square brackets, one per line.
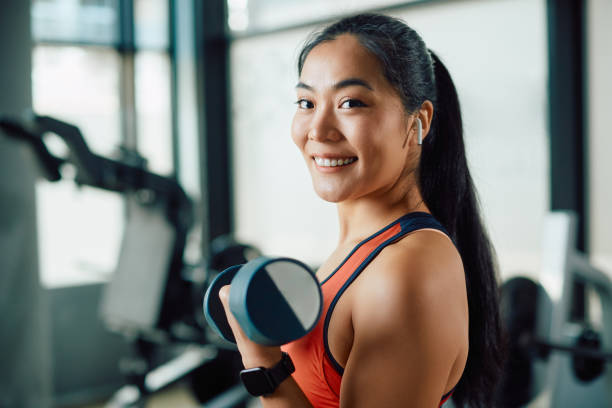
[342, 84]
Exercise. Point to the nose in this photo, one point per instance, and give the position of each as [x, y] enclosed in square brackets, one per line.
[323, 127]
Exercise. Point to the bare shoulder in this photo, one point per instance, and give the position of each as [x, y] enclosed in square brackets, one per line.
[410, 321]
[423, 263]
[418, 281]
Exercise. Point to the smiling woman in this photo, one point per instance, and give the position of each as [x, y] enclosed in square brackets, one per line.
[348, 110]
[410, 314]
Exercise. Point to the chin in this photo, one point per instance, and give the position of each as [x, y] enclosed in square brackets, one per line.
[329, 194]
[330, 199]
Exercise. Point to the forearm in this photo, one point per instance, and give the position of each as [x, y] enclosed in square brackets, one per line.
[287, 395]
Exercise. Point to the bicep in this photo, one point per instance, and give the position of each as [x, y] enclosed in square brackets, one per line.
[388, 375]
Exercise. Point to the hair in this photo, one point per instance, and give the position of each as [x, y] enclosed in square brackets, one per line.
[444, 181]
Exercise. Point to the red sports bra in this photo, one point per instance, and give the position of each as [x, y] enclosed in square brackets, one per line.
[317, 372]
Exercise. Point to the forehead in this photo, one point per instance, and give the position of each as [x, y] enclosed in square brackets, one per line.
[341, 58]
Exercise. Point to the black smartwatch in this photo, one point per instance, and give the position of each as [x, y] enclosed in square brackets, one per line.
[260, 381]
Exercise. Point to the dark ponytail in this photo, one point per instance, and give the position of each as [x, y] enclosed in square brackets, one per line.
[448, 191]
[444, 180]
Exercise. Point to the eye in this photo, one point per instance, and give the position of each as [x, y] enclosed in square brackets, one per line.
[304, 104]
[352, 103]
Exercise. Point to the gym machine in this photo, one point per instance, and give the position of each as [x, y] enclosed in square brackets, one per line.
[154, 299]
[537, 321]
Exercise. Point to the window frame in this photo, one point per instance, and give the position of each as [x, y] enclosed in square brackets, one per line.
[127, 49]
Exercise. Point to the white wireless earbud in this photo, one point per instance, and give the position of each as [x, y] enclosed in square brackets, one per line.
[419, 131]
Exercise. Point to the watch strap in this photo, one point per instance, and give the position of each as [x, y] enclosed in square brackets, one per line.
[283, 369]
[272, 377]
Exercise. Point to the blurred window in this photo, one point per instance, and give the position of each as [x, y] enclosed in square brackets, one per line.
[84, 21]
[154, 109]
[256, 15]
[151, 24]
[484, 45]
[87, 71]
[80, 85]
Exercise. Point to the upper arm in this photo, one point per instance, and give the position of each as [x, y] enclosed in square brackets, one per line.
[410, 322]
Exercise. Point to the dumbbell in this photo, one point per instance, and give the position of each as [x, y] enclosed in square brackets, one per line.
[275, 300]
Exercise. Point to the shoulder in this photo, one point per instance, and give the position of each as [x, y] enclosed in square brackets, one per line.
[423, 263]
[410, 324]
[414, 284]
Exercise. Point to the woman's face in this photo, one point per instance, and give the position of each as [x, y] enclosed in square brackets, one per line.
[350, 124]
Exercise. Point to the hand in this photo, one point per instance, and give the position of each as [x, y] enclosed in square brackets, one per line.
[253, 354]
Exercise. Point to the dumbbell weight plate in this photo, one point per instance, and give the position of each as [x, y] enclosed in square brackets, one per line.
[213, 308]
[519, 302]
[275, 300]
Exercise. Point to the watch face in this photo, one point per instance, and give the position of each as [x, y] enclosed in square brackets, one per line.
[256, 381]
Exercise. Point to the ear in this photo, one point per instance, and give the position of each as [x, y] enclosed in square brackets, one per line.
[425, 115]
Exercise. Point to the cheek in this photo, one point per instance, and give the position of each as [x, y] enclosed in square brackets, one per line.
[367, 137]
[380, 143]
[298, 132]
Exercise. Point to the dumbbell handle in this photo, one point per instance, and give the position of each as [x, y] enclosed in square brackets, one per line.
[547, 346]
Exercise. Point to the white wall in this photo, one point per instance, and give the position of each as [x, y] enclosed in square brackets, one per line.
[496, 52]
[599, 32]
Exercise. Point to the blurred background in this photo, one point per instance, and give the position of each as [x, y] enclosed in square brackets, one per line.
[201, 92]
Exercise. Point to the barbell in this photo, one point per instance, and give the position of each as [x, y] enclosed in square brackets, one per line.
[522, 301]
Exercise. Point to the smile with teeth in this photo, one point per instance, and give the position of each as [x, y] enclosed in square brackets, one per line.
[326, 162]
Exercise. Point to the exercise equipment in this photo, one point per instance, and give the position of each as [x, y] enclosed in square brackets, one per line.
[275, 300]
[153, 298]
[536, 318]
[160, 216]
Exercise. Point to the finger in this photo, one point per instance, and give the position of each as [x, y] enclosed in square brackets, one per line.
[253, 354]
[239, 334]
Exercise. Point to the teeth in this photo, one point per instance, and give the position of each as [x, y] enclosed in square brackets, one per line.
[333, 162]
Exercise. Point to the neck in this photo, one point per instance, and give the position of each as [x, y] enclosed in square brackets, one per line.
[360, 218]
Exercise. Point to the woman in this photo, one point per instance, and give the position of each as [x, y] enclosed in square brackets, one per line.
[410, 311]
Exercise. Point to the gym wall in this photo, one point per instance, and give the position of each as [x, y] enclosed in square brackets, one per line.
[599, 37]
[24, 348]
